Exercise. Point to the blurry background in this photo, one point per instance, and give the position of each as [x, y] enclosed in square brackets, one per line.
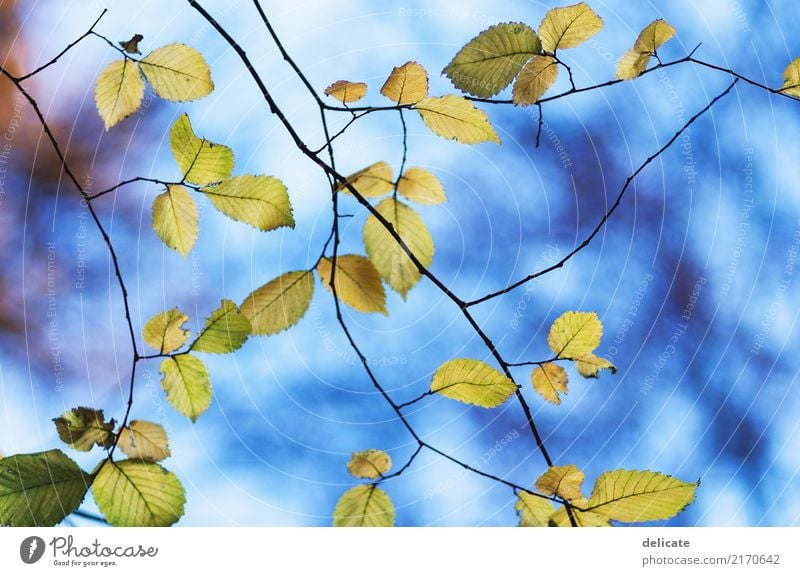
[702, 249]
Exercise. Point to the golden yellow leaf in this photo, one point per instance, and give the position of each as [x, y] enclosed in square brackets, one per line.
[371, 182]
[178, 73]
[407, 84]
[654, 35]
[472, 382]
[143, 440]
[280, 303]
[533, 511]
[346, 92]
[456, 118]
[632, 64]
[534, 80]
[364, 506]
[590, 365]
[389, 258]
[548, 380]
[582, 519]
[165, 331]
[568, 26]
[260, 201]
[562, 481]
[575, 334]
[791, 79]
[421, 186]
[118, 91]
[357, 282]
[176, 219]
[369, 464]
[201, 162]
[491, 60]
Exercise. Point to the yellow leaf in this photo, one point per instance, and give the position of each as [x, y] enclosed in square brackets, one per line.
[562, 481]
[119, 91]
[364, 506]
[653, 35]
[534, 80]
[261, 201]
[186, 382]
[165, 332]
[280, 303]
[548, 380]
[456, 118]
[568, 26]
[791, 79]
[176, 219]
[83, 428]
[639, 496]
[421, 186]
[357, 282]
[407, 84]
[590, 365]
[178, 73]
[491, 60]
[225, 331]
[632, 64]
[346, 92]
[472, 382]
[143, 440]
[533, 511]
[391, 261]
[201, 162]
[582, 519]
[371, 182]
[575, 334]
[369, 464]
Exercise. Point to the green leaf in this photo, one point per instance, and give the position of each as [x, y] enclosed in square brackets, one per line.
[791, 79]
[176, 219]
[201, 162]
[472, 382]
[143, 440]
[260, 201]
[371, 182]
[187, 384]
[369, 464]
[590, 365]
[632, 64]
[407, 84]
[357, 282]
[639, 496]
[362, 506]
[389, 258]
[280, 303]
[575, 334]
[177, 73]
[582, 519]
[548, 380]
[533, 511]
[135, 493]
[346, 92]
[491, 60]
[40, 489]
[118, 91]
[568, 26]
[653, 36]
[225, 331]
[165, 331]
[82, 428]
[535, 79]
[421, 186]
[456, 118]
[562, 481]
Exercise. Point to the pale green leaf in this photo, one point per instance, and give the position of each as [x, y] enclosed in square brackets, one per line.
[590, 365]
[176, 219]
[472, 382]
[135, 493]
[653, 36]
[421, 186]
[407, 84]
[491, 60]
[456, 118]
[639, 496]
[575, 334]
[533, 511]
[632, 64]
[143, 440]
[280, 303]
[371, 182]
[791, 79]
[364, 506]
[82, 428]
[226, 330]
[535, 79]
[548, 380]
[201, 162]
[357, 282]
[369, 463]
[260, 201]
[568, 26]
[346, 92]
[119, 91]
[165, 331]
[186, 382]
[389, 258]
[40, 489]
[562, 481]
[177, 72]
